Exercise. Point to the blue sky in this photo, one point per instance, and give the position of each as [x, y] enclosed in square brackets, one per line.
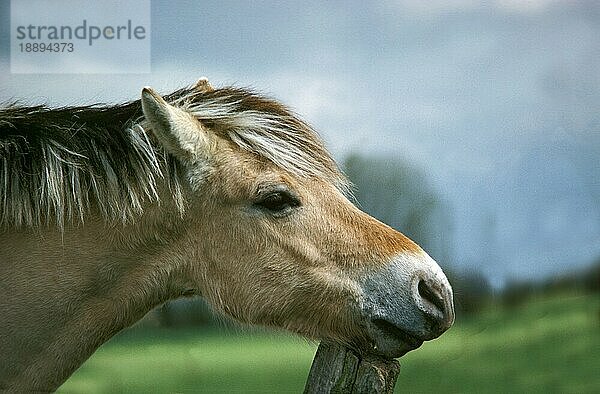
[499, 104]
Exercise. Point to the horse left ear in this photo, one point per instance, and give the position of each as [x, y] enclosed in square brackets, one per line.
[177, 130]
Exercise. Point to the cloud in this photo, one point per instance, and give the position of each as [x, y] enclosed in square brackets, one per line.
[526, 6]
[438, 7]
[432, 7]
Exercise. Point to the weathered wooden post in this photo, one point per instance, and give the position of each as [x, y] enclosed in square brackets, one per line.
[338, 370]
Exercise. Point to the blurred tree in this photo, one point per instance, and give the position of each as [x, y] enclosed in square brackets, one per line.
[592, 277]
[399, 195]
[164, 315]
[472, 291]
[193, 311]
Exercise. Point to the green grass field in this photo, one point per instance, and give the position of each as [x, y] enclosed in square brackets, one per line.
[546, 345]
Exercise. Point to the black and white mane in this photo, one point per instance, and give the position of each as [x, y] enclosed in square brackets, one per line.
[58, 163]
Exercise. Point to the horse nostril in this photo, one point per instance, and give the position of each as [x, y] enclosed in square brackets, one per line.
[431, 295]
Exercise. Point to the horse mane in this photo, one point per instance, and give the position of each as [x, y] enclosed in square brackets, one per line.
[57, 163]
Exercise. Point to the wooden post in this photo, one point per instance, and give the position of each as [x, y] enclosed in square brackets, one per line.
[338, 370]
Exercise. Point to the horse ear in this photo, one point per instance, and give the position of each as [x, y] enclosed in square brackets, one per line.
[204, 86]
[177, 130]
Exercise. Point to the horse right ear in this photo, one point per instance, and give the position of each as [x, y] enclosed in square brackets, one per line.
[176, 129]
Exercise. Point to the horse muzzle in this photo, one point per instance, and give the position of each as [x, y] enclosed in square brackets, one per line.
[407, 302]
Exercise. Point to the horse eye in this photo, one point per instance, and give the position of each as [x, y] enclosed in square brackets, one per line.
[278, 202]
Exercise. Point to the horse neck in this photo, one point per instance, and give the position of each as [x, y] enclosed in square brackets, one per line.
[63, 294]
